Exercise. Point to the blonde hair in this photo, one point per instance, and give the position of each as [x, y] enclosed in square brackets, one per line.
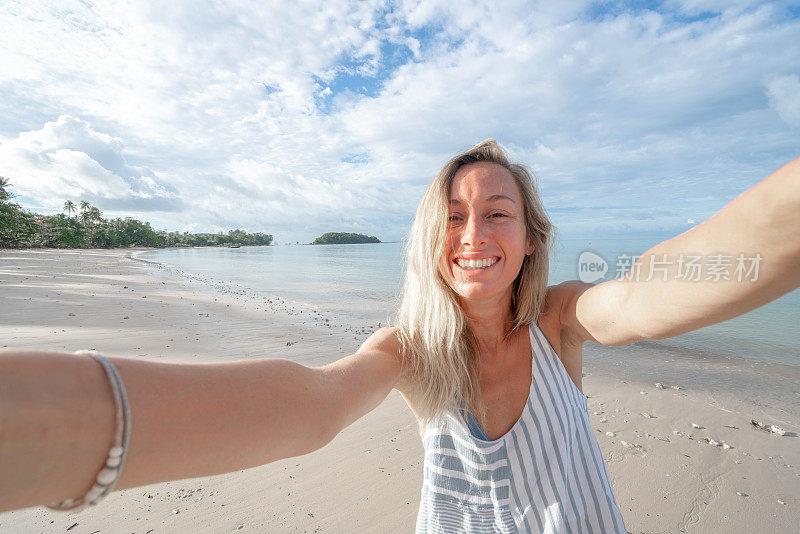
[440, 351]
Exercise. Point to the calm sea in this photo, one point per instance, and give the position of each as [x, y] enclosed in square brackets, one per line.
[363, 282]
[750, 363]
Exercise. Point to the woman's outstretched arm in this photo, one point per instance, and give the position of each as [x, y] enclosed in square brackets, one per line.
[745, 256]
[188, 420]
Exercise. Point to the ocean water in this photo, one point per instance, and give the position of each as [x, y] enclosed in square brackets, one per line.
[357, 281]
[750, 363]
[769, 332]
[364, 281]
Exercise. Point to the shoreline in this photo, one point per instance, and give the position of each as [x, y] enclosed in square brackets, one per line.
[774, 385]
[176, 247]
[368, 479]
[340, 316]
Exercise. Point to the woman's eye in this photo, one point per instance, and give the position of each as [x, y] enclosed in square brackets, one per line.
[453, 218]
[498, 214]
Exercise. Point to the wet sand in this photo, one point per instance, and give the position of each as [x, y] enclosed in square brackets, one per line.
[666, 476]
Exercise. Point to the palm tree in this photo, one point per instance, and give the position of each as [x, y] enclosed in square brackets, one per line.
[69, 207]
[95, 215]
[85, 207]
[5, 183]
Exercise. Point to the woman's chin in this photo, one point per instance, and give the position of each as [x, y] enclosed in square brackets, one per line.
[473, 292]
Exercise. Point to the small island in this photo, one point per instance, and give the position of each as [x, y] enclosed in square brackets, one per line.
[342, 238]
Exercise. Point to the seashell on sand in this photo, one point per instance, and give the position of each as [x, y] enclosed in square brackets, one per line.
[635, 448]
[774, 429]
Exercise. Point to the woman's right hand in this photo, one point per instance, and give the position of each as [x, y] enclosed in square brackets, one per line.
[187, 420]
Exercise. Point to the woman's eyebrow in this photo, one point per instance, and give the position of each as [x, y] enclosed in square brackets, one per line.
[500, 197]
[490, 198]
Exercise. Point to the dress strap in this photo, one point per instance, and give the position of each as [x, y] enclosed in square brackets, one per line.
[474, 427]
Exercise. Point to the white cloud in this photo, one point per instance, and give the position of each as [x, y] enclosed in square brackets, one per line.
[784, 97]
[67, 159]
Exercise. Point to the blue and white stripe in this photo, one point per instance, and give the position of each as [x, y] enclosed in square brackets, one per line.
[546, 474]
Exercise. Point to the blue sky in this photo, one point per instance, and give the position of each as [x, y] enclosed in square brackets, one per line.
[298, 118]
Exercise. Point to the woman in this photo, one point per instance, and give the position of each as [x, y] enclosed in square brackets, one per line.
[487, 357]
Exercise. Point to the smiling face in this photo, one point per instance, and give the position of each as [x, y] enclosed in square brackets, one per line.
[486, 239]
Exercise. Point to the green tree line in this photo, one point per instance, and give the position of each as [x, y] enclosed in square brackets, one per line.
[20, 228]
[338, 238]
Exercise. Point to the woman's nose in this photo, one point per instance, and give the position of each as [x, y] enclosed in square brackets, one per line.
[474, 233]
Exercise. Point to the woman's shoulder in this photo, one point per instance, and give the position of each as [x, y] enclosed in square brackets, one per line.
[386, 343]
[552, 320]
[385, 340]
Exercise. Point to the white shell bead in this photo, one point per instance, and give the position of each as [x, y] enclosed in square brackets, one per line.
[115, 451]
[106, 476]
[113, 461]
[93, 493]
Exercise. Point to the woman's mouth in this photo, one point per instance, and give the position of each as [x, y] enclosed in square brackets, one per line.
[475, 265]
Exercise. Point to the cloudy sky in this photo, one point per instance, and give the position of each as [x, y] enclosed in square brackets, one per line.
[296, 118]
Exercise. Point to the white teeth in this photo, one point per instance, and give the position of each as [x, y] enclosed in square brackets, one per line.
[476, 264]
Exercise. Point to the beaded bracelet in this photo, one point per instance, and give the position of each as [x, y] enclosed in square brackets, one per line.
[109, 475]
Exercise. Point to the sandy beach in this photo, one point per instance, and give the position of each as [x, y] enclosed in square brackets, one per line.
[666, 475]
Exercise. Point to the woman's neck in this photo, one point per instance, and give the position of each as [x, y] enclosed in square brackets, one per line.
[490, 323]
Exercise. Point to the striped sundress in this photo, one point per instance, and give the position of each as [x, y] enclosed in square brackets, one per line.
[546, 474]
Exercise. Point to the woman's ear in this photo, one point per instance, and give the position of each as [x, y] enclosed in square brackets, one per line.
[528, 246]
